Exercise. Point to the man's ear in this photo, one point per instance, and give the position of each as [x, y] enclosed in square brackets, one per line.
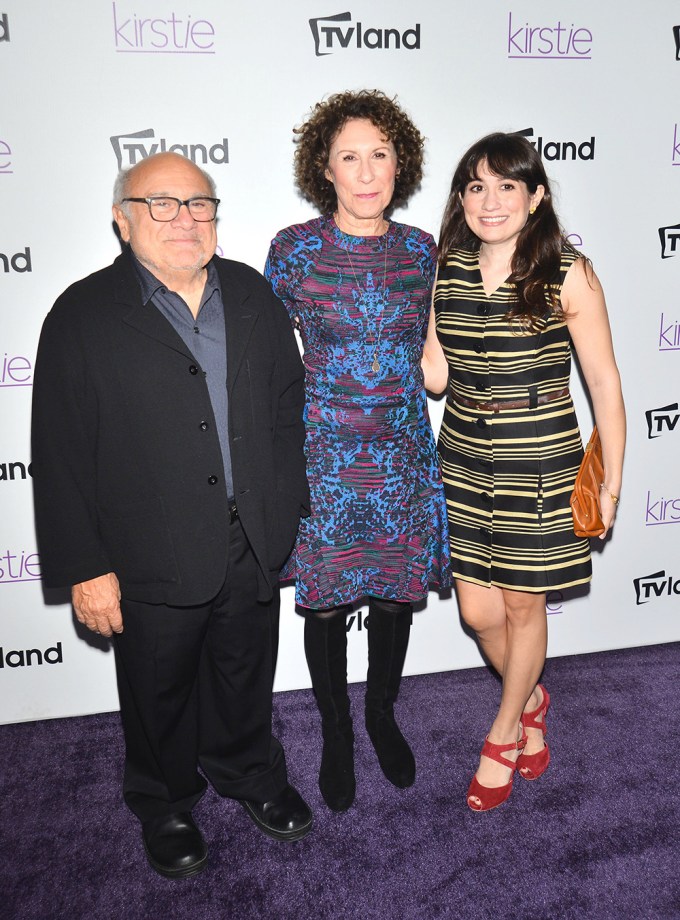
[123, 223]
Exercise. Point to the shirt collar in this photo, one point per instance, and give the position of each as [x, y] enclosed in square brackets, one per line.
[150, 284]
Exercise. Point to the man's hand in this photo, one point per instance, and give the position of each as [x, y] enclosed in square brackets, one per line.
[97, 604]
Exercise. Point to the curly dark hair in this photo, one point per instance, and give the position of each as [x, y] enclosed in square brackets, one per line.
[536, 261]
[315, 137]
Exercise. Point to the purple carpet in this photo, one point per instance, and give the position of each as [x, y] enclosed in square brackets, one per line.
[597, 837]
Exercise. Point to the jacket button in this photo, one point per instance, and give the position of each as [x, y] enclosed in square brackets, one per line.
[483, 309]
[204, 426]
[212, 480]
[485, 497]
[480, 387]
[481, 423]
[193, 369]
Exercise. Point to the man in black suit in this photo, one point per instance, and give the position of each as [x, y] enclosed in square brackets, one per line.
[169, 482]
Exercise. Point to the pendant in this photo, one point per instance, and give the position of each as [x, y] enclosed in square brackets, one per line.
[375, 367]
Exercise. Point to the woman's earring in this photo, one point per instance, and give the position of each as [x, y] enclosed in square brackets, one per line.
[532, 210]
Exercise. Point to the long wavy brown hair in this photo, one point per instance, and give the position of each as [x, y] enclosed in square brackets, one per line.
[315, 137]
[535, 263]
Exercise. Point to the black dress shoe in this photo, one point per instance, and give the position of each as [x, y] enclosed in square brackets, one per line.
[286, 817]
[174, 845]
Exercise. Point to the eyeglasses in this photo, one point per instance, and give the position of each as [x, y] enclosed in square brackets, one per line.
[164, 209]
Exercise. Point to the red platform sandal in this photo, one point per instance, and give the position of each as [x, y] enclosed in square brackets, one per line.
[484, 798]
[531, 766]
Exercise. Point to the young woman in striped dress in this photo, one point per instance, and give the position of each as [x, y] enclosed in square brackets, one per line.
[512, 297]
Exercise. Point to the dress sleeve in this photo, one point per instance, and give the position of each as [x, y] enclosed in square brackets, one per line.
[431, 261]
[278, 274]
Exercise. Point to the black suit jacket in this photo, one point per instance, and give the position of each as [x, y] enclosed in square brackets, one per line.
[128, 473]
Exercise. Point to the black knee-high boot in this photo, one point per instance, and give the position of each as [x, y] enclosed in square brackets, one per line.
[389, 625]
[326, 651]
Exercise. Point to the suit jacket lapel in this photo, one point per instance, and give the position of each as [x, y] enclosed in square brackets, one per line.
[145, 318]
[240, 316]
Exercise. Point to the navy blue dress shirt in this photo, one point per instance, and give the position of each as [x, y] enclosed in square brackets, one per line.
[206, 339]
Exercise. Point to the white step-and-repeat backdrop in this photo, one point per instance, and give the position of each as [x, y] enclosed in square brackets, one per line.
[91, 85]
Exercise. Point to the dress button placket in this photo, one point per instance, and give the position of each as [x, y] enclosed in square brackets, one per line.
[484, 425]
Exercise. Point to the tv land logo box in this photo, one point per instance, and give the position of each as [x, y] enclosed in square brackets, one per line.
[670, 241]
[138, 145]
[652, 587]
[339, 32]
[548, 40]
[663, 420]
[164, 33]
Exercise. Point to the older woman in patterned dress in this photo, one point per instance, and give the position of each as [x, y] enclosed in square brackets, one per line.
[358, 287]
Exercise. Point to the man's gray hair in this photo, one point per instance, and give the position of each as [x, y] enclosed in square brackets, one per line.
[120, 186]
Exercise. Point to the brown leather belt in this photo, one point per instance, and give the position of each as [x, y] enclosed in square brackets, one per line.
[496, 405]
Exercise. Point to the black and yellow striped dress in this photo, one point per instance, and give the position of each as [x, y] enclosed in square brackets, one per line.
[508, 474]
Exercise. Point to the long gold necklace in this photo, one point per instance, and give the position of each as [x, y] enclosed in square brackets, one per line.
[375, 364]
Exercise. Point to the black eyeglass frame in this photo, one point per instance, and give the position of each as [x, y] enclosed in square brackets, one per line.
[186, 203]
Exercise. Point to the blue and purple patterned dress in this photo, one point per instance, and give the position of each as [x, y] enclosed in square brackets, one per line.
[378, 524]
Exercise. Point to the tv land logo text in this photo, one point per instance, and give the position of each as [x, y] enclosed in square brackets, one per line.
[661, 511]
[675, 161]
[649, 587]
[669, 335]
[676, 36]
[662, 420]
[5, 158]
[553, 41]
[335, 33]
[560, 150]
[26, 658]
[15, 469]
[360, 620]
[4, 27]
[19, 262]
[132, 148]
[19, 566]
[15, 371]
[670, 241]
[134, 34]
[357, 620]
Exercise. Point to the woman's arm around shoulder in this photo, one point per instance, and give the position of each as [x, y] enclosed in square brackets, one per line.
[434, 364]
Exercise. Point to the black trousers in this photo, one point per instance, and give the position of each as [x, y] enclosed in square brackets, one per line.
[195, 688]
